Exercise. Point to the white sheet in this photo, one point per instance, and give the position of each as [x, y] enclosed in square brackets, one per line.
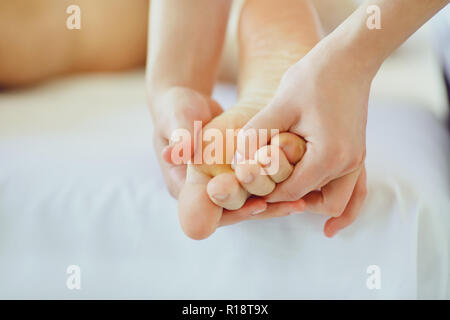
[79, 184]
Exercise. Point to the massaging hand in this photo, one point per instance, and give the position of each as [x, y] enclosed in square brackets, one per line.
[172, 109]
[323, 98]
[327, 106]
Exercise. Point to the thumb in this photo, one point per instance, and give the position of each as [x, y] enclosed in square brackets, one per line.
[182, 140]
[184, 127]
[258, 131]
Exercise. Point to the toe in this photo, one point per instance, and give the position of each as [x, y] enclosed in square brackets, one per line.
[225, 191]
[198, 215]
[292, 145]
[254, 179]
[274, 162]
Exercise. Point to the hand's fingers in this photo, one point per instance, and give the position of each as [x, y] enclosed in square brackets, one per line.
[260, 211]
[187, 107]
[307, 176]
[191, 112]
[333, 225]
[182, 143]
[293, 146]
[259, 130]
[174, 176]
[333, 197]
[166, 154]
[280, 209]
[225, 191]
[215, 107]
[278, 158]
[252, 207]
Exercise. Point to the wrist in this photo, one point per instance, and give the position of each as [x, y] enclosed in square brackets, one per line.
[190, 70]
[354, 59]
[358, 50]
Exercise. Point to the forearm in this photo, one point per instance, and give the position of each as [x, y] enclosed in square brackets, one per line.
[185, 44]
[366, 48]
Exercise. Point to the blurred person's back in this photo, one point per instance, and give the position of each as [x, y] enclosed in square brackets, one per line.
[35, 42]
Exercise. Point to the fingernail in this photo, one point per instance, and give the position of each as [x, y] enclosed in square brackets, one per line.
[220, 196]
[295, 212]
[254, 213]
[248, 178]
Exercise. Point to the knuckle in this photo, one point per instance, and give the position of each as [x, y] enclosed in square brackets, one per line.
[291, 73]
[335, 149]
[332, 162]
[181, 112]
[340, 155]
[332, 156]
[354, 160]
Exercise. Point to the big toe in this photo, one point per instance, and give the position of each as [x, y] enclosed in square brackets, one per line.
[225, 191]
[198, 215]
